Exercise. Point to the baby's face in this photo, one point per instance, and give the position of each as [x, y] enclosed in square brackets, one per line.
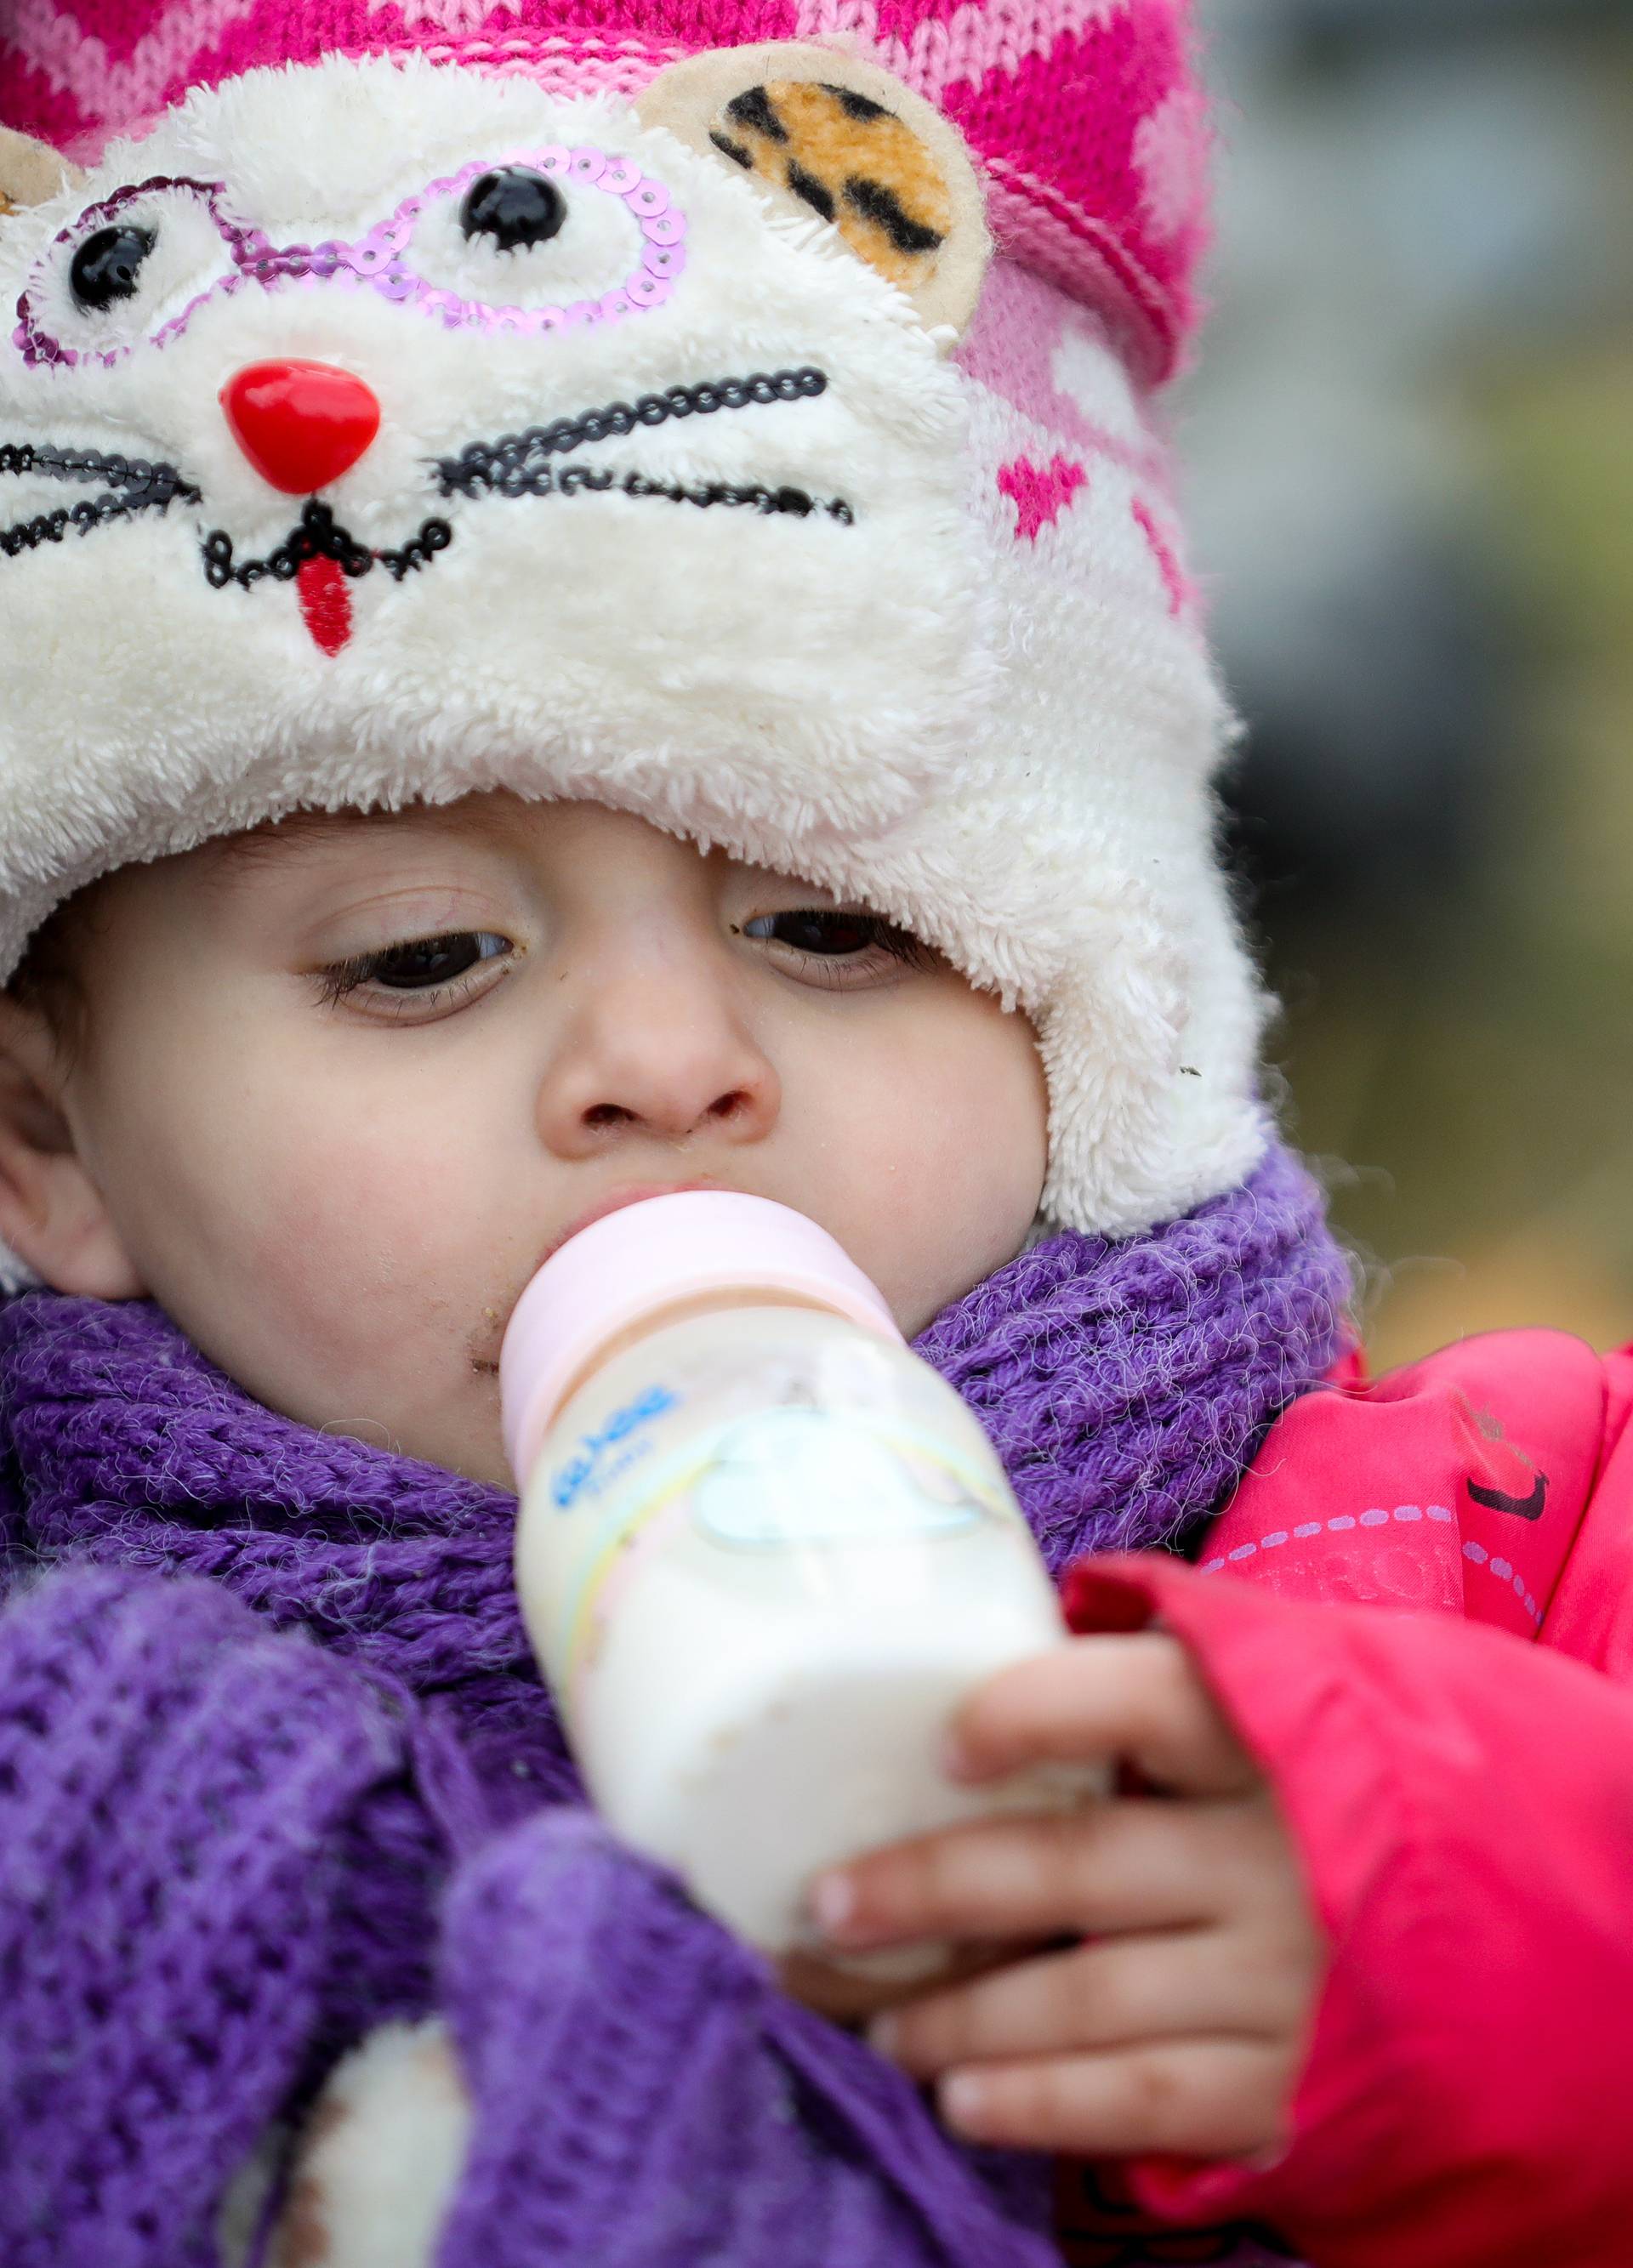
[343, 1085]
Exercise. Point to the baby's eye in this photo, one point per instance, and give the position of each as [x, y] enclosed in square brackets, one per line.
[816, 931]
[435, 960]
[841, 939]
[421, 964]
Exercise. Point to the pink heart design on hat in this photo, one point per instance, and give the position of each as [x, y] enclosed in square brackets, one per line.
[1040, 493]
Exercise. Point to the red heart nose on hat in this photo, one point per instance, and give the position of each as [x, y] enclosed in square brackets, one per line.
[301, 424]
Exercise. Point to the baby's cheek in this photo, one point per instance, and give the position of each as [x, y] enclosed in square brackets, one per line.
[957, 1146]
[376, 1250]
[363, 1273]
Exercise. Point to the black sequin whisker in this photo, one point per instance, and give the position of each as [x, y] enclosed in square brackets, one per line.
[798, 503]
[320, 536]
[518, 464]
[129, 485]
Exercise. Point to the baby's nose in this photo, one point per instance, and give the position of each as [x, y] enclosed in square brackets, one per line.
[301, 424]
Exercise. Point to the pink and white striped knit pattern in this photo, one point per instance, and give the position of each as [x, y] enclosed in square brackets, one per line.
[1084, 113]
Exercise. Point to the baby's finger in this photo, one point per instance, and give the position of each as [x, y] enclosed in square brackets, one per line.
[1120, 1863]
[1107, 1699]
[1180, 1984]
[1198, 2098]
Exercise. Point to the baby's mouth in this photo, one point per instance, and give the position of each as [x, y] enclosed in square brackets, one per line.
[483, 1344]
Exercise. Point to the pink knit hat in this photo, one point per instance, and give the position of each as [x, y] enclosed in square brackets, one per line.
[1082, 112]
[930, 642]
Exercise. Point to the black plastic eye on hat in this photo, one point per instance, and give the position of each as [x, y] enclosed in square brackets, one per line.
[106, 266]
[515, 206]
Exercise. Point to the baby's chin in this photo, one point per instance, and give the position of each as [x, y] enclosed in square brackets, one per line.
[464, 1436]
[489, 1467]
[473, 1443]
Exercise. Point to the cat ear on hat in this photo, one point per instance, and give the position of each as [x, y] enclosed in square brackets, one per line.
[31, 173]
[824, 131]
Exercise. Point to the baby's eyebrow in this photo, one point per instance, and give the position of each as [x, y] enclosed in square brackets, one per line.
[300, 830]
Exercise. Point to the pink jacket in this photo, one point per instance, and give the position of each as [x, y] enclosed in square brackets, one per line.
[1458, 1775]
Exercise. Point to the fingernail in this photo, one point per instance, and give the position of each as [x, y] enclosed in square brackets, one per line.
[955, 1757]
[962, 2095]
[883, 2033]
[832, 1903]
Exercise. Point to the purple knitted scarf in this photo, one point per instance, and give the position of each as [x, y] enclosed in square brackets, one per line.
[1126, 1387]
[226, 1854]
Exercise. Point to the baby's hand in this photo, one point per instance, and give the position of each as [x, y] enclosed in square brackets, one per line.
[1181, 2023]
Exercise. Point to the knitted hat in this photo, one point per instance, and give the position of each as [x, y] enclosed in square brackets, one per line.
[624, 399]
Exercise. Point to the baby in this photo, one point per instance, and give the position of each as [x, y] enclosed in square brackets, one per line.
[570, 630]
[329, 1090]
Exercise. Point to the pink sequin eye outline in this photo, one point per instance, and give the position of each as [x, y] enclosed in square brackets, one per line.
[376, 262]
[379, 258]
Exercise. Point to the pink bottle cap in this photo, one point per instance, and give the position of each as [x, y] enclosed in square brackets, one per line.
[652, 1256]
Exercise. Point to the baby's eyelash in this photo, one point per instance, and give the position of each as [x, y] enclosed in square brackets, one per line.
[868, 933]
[417, 976]
[344, 977]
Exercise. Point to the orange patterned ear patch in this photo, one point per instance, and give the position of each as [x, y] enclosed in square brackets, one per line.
[853, 161]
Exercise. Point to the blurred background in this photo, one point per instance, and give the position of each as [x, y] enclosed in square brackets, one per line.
[1409, 470]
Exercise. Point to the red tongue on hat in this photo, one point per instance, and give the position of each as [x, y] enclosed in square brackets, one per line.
[325, 602]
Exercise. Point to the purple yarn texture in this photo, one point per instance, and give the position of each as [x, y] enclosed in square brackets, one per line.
[1126, 1386]
[183, 1797]
[275, 1764]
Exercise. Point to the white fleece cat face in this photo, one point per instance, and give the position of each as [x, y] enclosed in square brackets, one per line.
[670, 483]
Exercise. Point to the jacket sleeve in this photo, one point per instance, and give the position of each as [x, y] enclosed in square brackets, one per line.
[643, 2095]
[192, 1809]
[1462, 1801]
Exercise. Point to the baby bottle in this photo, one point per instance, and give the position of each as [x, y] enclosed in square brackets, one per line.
[763, 1550]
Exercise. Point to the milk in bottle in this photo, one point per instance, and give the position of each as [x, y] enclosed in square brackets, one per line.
[763, 1551]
